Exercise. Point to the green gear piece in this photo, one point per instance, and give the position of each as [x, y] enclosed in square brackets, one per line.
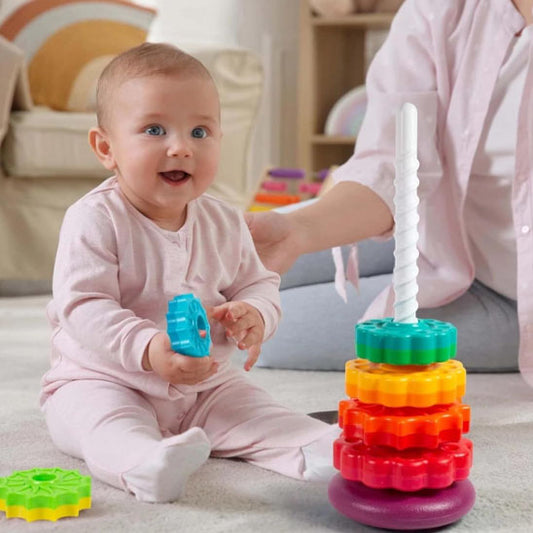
[44, 494]
[385, 341]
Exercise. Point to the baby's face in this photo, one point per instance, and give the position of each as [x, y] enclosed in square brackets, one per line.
[164, 134]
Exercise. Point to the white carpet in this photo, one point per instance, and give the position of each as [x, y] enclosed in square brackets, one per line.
[231, 496]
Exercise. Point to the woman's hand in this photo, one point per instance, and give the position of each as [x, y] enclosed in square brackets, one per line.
[349, 212]
[275, 239]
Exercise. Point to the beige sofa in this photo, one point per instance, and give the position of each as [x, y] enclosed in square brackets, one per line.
[46, 163]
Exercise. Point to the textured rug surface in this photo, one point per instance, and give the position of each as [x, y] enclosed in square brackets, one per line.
[231, 496]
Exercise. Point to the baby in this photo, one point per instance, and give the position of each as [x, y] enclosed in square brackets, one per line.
[142, 416]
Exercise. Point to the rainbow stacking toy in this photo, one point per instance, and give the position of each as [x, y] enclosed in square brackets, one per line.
[402, 457]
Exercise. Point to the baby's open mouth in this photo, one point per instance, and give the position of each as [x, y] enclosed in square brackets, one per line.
[174, 175]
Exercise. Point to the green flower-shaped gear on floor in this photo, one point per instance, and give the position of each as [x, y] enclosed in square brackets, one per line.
[385, 341]
[44, 494]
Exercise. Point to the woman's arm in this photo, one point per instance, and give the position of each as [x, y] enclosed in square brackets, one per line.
[348, 213]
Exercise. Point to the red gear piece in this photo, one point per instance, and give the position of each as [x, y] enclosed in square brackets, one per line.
[381, 467]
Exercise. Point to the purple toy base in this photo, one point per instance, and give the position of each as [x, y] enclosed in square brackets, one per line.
[392, 509]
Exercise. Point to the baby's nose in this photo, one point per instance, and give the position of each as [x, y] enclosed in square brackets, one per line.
[179, 147]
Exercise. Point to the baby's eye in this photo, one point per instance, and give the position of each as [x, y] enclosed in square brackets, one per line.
[155, 130]
[199, 133]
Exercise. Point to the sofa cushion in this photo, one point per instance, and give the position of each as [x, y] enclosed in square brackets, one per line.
[67, 44]
[46, 143]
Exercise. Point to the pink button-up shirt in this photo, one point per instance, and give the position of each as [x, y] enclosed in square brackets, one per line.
[444, 57]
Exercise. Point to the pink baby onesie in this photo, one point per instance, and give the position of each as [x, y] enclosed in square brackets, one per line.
[114, 274]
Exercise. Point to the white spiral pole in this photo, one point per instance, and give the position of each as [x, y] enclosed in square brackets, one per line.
[406, 217]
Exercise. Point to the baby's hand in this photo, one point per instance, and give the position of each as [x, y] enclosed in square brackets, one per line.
[175, 367]
[244, 323]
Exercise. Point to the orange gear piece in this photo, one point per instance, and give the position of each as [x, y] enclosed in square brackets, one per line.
[405, 386]
[403, 427]
[278, 199]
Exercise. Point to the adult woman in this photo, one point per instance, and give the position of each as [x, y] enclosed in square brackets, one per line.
[465, 65]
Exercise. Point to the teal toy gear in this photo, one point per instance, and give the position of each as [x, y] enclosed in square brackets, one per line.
[185, 318]
[385, 341]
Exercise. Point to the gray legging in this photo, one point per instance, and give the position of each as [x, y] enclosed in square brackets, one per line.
[316, 331]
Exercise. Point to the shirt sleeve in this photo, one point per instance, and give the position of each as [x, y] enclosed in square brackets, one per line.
[86, 295]
[254, 284]
[403, 70]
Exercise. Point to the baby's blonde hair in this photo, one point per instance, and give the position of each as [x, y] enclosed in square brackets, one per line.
[148, 59]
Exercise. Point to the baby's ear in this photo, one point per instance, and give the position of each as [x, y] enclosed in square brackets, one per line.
[101, 147]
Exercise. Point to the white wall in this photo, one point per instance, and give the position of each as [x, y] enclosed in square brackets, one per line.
[268, 27]
[271, 29]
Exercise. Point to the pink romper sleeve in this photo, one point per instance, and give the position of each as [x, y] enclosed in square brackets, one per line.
[86, 298]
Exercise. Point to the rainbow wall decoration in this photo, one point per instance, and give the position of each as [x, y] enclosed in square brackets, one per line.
[67, 44]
